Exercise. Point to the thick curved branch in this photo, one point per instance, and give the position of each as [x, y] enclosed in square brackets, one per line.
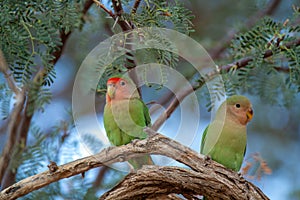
[153, 181]
[154, 144]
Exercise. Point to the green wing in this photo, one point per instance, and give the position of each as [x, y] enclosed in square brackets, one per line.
[125, 120]
[146, 114]
[203, 139]
[132, 123]
[140, 115]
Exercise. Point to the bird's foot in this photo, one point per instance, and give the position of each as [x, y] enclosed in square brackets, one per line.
[207, 158]
[133, 142]
[241, 175]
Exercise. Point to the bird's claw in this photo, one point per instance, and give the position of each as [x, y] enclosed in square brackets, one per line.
[207, 158]
[241, 175]
[133, 142]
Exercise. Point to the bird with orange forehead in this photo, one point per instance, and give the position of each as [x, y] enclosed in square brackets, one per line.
[125, 116]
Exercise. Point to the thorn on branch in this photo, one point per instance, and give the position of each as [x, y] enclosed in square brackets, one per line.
[52, 166]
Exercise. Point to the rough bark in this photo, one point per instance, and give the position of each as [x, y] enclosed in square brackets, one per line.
[152, 181]
[205, 176]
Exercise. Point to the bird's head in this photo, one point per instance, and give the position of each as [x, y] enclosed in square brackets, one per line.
[239, 108]
[119, 88]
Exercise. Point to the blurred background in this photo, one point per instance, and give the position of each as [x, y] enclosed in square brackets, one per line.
[274, 132]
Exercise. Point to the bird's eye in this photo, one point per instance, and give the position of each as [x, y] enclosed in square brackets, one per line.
[237, 105]
[122, 83]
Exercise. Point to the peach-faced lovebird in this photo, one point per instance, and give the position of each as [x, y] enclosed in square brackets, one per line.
[125, 116]
[225, 139]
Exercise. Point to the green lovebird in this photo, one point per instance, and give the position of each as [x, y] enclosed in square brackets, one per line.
[125, 116]
[225, 139]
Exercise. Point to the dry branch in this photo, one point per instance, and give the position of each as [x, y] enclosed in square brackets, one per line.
[245, 61]
[19, 121]
[238, 64]
[152, 181]
[14, 119]
[101, 5]
[158, 144]
[135, 6]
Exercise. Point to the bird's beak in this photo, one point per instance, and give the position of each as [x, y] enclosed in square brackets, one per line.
[111, 90]
[249, 114]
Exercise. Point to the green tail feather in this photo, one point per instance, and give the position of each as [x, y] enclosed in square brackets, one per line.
[138, 162]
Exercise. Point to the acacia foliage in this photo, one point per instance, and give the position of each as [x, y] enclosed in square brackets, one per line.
[33, 31]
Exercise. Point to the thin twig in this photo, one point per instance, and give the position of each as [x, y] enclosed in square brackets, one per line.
[172, 106]
[245, 61]
[65, 36]
[118, 8]
[5, 70]
[187, 91]
[223, 43]
[101, 5]
[100, 176]
[135, 6]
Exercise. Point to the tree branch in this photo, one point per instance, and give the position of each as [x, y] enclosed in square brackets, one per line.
[65, 36]
[19, 121]
[135, 6]
[215, 53]
[13, 121]
[12, 131]
[245, 61]
[186, 91]
[9, 79]
[172, 106]
[101, 5]
[203, 168]
[124, 24]
[153, 181]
